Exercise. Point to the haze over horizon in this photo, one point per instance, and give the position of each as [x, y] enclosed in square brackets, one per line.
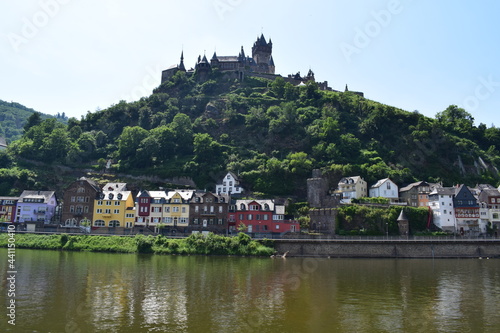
[74, 57]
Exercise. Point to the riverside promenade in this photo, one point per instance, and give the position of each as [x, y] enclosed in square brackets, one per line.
[390, 248]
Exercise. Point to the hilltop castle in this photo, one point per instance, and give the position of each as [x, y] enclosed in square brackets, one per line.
[261, 62]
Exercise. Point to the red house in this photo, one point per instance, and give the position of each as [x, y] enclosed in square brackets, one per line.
[261, 216]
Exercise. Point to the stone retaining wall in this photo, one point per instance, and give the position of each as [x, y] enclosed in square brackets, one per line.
[389, 249]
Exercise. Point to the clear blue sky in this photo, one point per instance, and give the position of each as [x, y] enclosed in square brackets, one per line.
[76, 56]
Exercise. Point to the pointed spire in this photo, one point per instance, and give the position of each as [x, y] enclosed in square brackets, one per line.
[271, 61]
[181, 65]
[214, 57]
[346, 88]
[402, 216]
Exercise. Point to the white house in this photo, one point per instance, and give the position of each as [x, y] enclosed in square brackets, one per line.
[230, 185]
[441, 203]
[385, 188]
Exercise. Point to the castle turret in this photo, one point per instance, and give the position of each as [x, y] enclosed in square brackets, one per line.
[261, 54]
[203, 68]
[181, 65]
[214, 62]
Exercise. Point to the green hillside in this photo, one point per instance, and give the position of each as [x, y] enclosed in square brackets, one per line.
[13, 117]
[270, 132]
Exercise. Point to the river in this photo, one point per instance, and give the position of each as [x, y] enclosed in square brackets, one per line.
[101, 292]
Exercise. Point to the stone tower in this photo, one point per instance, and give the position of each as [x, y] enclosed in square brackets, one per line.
[262, 55]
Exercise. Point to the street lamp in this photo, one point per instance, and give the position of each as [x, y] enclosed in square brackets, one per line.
[387, 229]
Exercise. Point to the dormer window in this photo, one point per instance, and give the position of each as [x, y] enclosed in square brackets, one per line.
[111, 196]
[242, 207]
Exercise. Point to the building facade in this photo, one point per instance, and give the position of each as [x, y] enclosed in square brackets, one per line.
[8, 209]
[36, 206]
[208, 212]
[78, 202]
[385, 188]
[443, 212]
[350, 188]
[230, 185]
[114, 207]
[262, 216]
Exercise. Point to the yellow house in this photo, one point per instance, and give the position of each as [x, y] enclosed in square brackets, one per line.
[176, 208]
[114, 207]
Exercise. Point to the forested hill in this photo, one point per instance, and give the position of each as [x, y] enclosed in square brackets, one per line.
[271, 133]
[13, 117]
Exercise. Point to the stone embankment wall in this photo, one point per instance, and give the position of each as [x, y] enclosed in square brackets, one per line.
[389, 248]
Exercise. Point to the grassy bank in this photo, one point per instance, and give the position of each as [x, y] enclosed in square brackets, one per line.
[241, 244]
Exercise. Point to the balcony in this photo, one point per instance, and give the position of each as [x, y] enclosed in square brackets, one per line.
[39, 211]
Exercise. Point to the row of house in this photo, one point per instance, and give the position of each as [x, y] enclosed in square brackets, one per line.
[459, 209]
[114, 206]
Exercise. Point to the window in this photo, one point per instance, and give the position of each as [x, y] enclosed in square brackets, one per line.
[241, 217]
[167, 209]
[86, 209]
[195, 221]
[114, 223]
[117, 203]
[99, 203]
[72, 209]
[257, 217]
[73, 199]
[220, 209]
[175, 209]
[495, 215]
[219, 221]
[183, 209]
[184, 220]
[99, 211]
[254, 207]
[211, 209]
[177, 200]
[116, 211]
[81, 190]
[98, 223]
[108, 203]
[107, 211]
[129, 215]
[242, 207]
[249, 216]
[388, 185]
[266, 217]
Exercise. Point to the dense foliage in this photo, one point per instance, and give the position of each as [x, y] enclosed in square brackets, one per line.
[13, 118]
[376, 221]
[270, 132]
[211, 244]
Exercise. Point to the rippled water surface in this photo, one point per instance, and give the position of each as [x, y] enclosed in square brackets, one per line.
[99, 292]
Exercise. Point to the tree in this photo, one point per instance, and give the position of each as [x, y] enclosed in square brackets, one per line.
[456, 120]
[128, 143]
[33, 120]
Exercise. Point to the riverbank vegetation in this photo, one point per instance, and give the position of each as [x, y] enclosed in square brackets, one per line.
[209, 244]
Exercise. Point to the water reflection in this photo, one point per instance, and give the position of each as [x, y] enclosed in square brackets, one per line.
[95, 292]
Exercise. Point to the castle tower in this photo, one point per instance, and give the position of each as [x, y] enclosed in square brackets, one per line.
[262, 54]
[203, 68]
[214, 62]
